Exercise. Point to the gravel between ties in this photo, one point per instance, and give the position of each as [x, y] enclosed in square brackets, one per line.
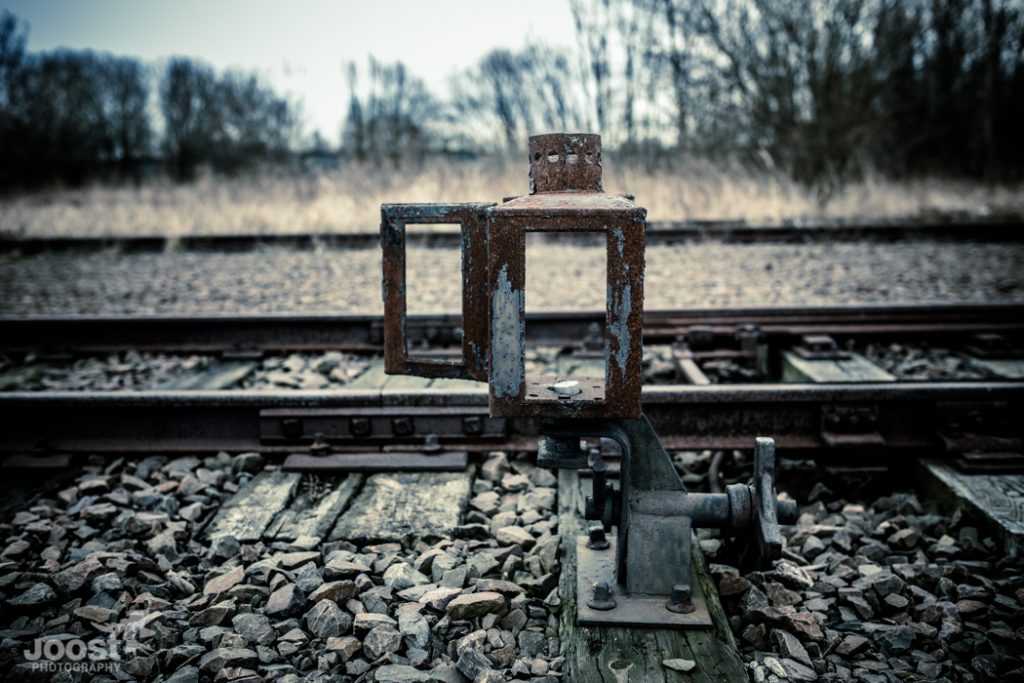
[559, 277]
[880, 593]
[122, 552]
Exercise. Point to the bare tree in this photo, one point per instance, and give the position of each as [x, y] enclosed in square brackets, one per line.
[353, 134]
[593, 26]
[188, 103]
[127, 111]
[231, 121]
[511, 94]
[13, 36]
[394, 119]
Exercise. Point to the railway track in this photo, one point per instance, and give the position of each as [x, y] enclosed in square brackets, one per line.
[405, 523]
[664, 232]
[379, 421]
[272, 333]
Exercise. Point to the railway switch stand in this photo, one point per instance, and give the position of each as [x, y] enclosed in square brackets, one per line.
[641, 575]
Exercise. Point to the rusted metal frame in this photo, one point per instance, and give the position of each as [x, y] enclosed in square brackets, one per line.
[394, 219]
[515, 394]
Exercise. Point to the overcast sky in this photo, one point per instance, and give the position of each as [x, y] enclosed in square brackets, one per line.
[300, 45]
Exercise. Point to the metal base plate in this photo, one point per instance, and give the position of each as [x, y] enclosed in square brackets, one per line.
[631, 609]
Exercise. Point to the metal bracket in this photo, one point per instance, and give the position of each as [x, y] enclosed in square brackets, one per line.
[820, 347]
[594, 567]
[340, 426]
[848, 426]
[650, 579]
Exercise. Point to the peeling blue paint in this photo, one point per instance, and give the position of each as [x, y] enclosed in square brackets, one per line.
[619, 235]
[507, 338]
[618, 351]
[478, 356]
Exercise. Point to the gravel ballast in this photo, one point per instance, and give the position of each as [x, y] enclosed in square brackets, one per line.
[880, 592]
[874, 590]
[122, 554]
[141, 371]
[559, 277]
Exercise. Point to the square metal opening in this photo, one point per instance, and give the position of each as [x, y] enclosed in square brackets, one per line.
[397, 360]
[513, 393]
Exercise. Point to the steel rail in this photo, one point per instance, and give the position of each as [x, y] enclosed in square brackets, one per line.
[244, 334]
[1010, 229]
[905, 418]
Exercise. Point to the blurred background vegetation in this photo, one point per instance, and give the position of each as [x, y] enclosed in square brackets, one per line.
[822, 93]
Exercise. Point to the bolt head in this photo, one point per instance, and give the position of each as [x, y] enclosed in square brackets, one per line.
[602, 598]
[597, 539]
[681, 600]
[360, 426]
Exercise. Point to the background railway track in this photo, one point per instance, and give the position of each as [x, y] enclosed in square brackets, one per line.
[230, 333]
[400, 421]
[949, 229]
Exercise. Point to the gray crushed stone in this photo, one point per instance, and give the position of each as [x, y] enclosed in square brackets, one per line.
[559, 277]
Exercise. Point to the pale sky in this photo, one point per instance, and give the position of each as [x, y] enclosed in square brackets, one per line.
[301, 45]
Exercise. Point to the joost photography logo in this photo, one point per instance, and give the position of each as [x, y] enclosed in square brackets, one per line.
[100, 654]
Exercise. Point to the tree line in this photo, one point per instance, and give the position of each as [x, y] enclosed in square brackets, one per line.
[822, 89]
[72, 115]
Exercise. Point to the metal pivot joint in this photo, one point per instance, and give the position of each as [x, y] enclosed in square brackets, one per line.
[654, 516]
[642, 573]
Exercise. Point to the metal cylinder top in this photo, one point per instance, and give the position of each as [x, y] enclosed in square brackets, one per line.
[565, 162]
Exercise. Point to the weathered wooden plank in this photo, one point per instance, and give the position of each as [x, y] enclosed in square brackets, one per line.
[459, 385]
[856, 368]
[692, 372]
[218, 376]
[403, 383]
[628, 655]
[248, 513]
[1009, 368]
[996, 498]
[405, 507]
[14, 378]
[373, 378]
[309, 515]
[579, 366]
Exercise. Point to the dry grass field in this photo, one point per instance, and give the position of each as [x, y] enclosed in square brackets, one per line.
[348, 200]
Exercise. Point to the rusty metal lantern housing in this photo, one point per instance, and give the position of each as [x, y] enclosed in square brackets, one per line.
[566, 196]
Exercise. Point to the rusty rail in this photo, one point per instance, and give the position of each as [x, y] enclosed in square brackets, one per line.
[364, 333]
[904, 418]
